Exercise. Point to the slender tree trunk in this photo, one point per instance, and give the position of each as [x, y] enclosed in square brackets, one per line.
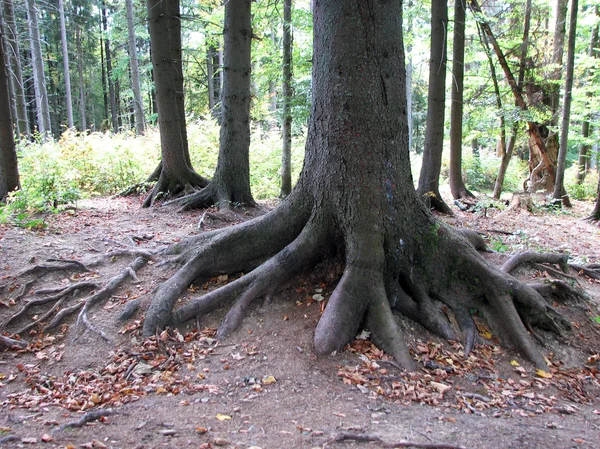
[104, 81]
[9, 171]
[210, 75]
[559, 188]
[81, 82]
[409, 77]
[557, 58]
[457, 186]
[595, 215]
[14, 55]
[65, 53]
[429, 178]
[286, 153]
[583, 162]
[138, 106]
[39, 78]
[114, 111]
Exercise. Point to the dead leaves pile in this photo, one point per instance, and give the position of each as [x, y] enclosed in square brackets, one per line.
[154, 366]
[473, 384]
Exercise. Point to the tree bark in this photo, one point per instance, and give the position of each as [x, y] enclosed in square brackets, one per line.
[286, 152]
[230, 185]
[39, 77]
[457, 186]
[14, 55]
[67, 72]
[114, 110]
[559, 188]
[429, 178]
[81, 82]
[355, 200]
[176, 174]
[9, 171]
[138, 105]
[558, 46]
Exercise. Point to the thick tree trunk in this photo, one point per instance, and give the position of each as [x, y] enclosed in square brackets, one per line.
[176, 173]
[14, 55]
[595, 216]
[39, 77]
[286, 152]
[457, 186]
[138, 105]
[559, 188]
[9, 172]
[231, 182]
[429, 179]
[67, 72]
[355, 199]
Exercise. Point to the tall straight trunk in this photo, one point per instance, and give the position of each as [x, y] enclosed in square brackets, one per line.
[429, 179]
[409, 77]
[286, 153]
[14, 55]
[65, 52]
[210, 73]
[81, 82]
[114, 113]
[583, 161]
[39, 78]
[457, 186]
[9, 171]
[559, 188]
[557, 58]
[138, 106]
[104, 82]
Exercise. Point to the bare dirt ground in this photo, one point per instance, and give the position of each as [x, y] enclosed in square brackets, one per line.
[263, 387]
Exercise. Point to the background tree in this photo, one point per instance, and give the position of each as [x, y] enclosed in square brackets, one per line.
[138, 106]
[286, 152]
[559, 188]
[9, 172]
[355, 199]
[429, 178]
[67, 72]
[230, 184]
[457, 186]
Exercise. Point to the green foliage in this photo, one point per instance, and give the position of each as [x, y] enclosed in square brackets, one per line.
[499, 246]
[584, 191]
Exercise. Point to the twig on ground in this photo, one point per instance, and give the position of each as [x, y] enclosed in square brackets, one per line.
[87, 418]
[9, 438]
[347, 436]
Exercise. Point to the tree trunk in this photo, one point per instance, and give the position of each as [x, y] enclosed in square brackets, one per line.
[231, 182]
[585, 148]
[559, 188]
[355, 200]
[14, 56]
[104, 83]
[39, 78]
[429, 179]
[210, 75]
[138, 106]
[81, 82]
[9, 171]
[65, 54]
[457, 186]
[114, 111]
[595, 216]
[557, 58]
[176, 174]
[286, 152]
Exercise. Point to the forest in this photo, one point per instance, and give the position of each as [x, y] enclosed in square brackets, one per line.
[413, 186]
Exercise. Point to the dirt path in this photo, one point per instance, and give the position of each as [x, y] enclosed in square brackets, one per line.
[263, 387]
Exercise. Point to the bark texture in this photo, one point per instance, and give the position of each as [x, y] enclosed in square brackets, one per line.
[65, 54]
[9, 172]
[138, 105]
[230, 185]
[355, 200]
[429, 179]
[176, 173]
[286, 152]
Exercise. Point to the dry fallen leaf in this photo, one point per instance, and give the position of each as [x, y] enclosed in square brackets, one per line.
[268, 380]
[222, 417]
[543, 374]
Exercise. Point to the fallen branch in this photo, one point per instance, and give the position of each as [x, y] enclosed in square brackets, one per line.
[87, 418]
[346, 436]
[9, 438]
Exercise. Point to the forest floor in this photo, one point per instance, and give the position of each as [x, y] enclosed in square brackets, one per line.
[264, 387]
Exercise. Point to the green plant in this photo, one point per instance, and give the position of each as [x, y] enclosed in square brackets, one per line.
[499, 246]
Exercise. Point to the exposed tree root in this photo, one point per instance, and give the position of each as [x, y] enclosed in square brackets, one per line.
[11, 342]
[591, 270]
[212, 195]
[365, 437]
[61, 265]
[533, 257]
[87, 418]
[560, 289]
[168, 186]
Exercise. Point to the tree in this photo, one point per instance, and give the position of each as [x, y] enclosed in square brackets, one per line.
[355, 201]
[595, 215]
[175, 173]
[65, 53]
[14, 52]
[559, 188]
[138, 106]
[230, 184]
[286, 153]
[9, 171]
[429, 179]
[112, 92]
[457, 186]
[39, 77]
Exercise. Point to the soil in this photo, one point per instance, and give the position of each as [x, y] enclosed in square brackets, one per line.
[264, 387]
